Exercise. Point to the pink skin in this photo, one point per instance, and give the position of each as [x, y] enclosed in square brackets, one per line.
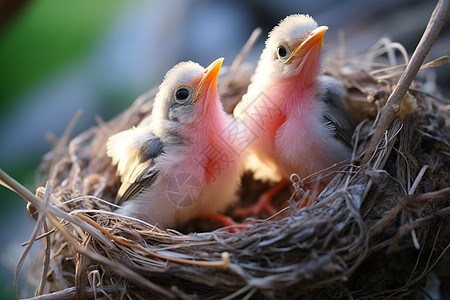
[192, 180]
[283, 139]
[203, 133]
[292, 101]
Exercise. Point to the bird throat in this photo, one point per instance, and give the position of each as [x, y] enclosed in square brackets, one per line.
[288, 98]
[210, 149]
[215, 158]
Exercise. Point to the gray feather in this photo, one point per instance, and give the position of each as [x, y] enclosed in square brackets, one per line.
[336, 112]
[143, 172]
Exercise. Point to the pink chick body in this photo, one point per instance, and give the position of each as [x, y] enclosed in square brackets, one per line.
[296, 130]
[179, 162]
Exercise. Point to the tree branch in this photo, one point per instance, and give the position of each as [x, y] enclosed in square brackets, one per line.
[392, 106]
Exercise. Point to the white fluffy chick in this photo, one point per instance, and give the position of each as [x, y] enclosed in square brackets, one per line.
[298, 127]
[182, 161]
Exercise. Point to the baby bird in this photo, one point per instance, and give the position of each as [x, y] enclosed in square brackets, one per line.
[298, 127]
[181, 161]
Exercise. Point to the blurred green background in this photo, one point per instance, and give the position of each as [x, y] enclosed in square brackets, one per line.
[60, 56]
[46, 36]
[42, 39]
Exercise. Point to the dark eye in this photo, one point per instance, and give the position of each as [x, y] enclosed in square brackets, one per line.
[182, 94]
[282, 52]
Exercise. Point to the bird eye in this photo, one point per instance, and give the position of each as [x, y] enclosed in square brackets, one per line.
[282, 52]
[182, 94]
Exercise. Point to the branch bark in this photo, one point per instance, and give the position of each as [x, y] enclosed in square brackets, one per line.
[392, 106]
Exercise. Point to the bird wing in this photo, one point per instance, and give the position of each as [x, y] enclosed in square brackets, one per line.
[336, 113]
[134, 151]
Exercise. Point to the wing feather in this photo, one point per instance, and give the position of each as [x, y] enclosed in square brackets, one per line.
[134, 151]
[336, 113]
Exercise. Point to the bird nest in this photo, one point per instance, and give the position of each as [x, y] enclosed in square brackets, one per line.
[376, 230]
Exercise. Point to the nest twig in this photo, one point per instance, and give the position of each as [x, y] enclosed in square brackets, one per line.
[375, 231]
[392, 107]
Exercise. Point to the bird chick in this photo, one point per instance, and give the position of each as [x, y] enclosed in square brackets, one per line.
[299, 128]
[180, 162]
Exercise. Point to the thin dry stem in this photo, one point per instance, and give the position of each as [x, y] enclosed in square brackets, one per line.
[391, 109]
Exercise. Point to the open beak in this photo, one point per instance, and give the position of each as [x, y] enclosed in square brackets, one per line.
[315, 37]
[210, 77]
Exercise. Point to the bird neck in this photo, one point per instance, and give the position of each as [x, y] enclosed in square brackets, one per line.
[209, 147]
[295, 92]
[204, 130]
[209, 117]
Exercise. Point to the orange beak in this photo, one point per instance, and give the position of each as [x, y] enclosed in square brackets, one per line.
[315, 37]
[210, 77]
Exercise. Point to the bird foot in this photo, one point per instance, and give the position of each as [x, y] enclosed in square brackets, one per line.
[226, 221]
[264, 202]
